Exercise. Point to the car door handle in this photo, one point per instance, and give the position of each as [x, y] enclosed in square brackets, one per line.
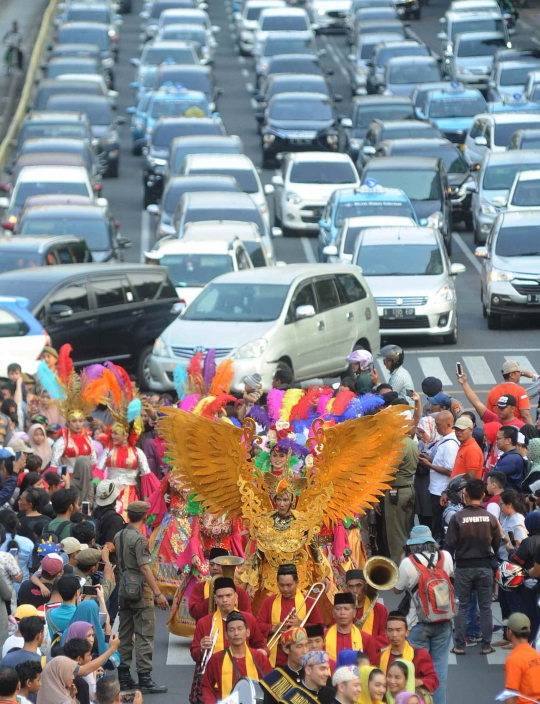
[90, 321]
[350, 315]
[136, 313]
[321, 325]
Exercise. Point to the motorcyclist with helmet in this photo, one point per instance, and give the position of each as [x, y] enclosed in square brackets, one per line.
[361, 368]
[400, 380]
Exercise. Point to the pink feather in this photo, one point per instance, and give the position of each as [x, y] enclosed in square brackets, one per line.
[323, 402]
[274, 400]
[189, 402]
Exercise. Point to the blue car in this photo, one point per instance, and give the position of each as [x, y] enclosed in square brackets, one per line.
[366, 200]
[169, 101]
[23, 337]
[513, 103]
[453, 110]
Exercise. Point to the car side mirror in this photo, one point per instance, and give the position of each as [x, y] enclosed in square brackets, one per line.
[153, 209]
[471, 187]
[442, 20]
[329, 72]
[216, 28]
[60, 310]
[8, 225]
[98, 187]
[338, 98]
[134, 85]
[144, 15]
[277, 232]
[303, 312]
[330, 250]
[131, 110]
[480, 141]
[481, 253]
[352, 58]
[324, 224]
[8, 169]
[123, 242]
[260, 98]
[4, 187]
[135, 62]
[456, 269]
[442, 36]
[368, 150]
[346, 122]
[500, 201]
[268, 189]
[259, 116]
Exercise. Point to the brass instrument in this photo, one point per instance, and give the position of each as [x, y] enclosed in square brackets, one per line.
[214, 631]
[228, 564]
[318, 590]
[380, 573]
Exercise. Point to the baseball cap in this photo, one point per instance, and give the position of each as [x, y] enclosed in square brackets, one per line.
[431, 386]
[510, 366]
[26, 610]
[463, 423]
[90, 556]
[53, 564]
[72, 545]
[507, 400]
[107, 492]
[441, 399]
[20, 445]
[519, 623]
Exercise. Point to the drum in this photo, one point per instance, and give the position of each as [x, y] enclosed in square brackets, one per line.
[249, 691]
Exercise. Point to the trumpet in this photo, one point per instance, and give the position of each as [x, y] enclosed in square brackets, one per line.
[209, 651]
[318, 591]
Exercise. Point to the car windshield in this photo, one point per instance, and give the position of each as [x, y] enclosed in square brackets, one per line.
[400, 260]
[530, 142]
[421, 130]
[95, 231]
[514, 76]
[160, 7]
[366, 208]
[253, 13]
[24, 287]
[417, 185]
[503, 132]
[89, 14]
[301, 85]
[256, 254]
[193, 34]
[49, 93]
[295, 109]
[367, 113]
[452, 157]
[413, 74]
[191, 19]
[518, 242]
[191, 81]
[46, 188]
[87, 67]
[350, 239]
[164, 134]
[527, 194]
[176, 108]
[480, 25]
[279, 65]
[91, 35]
[385, 55]
[180, 154]
[239, 303]
[33, 130]
[99, 113]
[196, 269]
[366, 49]
[10, 260]
[501, 177]
[284, 23]
[277, 45]
[240, 214]
[456, 107]
[478, 47]
[245, 177]
[155, 55]
[322, 172]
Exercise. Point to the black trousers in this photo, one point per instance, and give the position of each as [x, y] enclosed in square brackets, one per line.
[437, 517]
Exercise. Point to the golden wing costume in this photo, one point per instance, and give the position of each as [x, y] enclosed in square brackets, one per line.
[348, 468]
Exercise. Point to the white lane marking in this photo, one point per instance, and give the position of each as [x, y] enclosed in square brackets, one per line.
[308, 250]
[254, 104]
[452, 659]
[467, 252]
[432, 366]
[475, 350]
[499, 657]
[525, 364]
[178, 650]
[245, 73]
[336, 58]
[383, 371]
[535, 40]
[241, 59]
[479, 370]
[145, 234]
[249, 87]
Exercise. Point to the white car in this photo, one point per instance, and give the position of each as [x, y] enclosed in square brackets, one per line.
[342, 250]
[412, 280]
[228, 230]
[288, 19]
[23, 336]
[112, 95]
[492, 132]
[309, 317]
[239, 166]
[247, 22]
[459, 6]
[305, 183]
[193, 264]
[330, 14]
[525, 192]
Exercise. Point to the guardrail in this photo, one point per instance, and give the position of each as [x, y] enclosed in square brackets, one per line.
[31, 72]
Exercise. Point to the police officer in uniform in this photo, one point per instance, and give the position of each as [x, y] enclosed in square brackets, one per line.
[137, 591]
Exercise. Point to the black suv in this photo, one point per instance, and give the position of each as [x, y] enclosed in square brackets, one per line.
[106, 311]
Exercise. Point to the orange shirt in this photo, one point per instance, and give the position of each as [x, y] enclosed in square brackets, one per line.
[523, 672]
[508, 387]
[469, 457]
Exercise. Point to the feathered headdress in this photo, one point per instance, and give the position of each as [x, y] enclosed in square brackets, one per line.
[66, 387]
[201, 376]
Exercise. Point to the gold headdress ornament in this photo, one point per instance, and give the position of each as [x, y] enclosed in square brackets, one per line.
[66, 387]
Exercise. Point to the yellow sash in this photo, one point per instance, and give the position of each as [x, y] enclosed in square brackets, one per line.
[276, 617]
[218, 623]
[368, 623]
[408, 654]
[207, 588]
[227, 672]
[331, 641]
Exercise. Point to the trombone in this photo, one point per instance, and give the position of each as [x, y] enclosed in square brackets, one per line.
[209, 651]
[318, 591]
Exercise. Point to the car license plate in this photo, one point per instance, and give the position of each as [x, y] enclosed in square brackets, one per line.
[533, 298]
[398, 312]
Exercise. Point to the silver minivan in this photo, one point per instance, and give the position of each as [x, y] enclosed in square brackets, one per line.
[309, 317]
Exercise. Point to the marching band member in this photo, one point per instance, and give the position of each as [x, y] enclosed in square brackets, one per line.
[344, 635]
[346, 680]
[237, 659]
[315, 636]
[278, 608]
[198, 599]
[371, 616]
[294, 643]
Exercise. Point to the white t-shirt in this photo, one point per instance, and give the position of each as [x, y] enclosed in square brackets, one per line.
[495, 509]
[445, 456]
[515, 523]
[12, 642]
[409, 576]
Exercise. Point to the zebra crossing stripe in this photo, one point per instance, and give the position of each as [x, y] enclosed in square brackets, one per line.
[432, 366]
[178, 651]
[524, 364]
[479, 370]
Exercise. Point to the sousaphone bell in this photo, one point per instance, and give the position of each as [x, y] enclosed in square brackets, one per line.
[228, 564]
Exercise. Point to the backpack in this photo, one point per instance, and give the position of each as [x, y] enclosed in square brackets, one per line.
[54, 535]
[433, 597]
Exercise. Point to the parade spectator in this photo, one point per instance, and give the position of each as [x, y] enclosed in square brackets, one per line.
[504, 412]
[37, 439]
[29, 681]
[469, 458]
[25, 546]
[399, 679]
[373, 683]
[474, 536]
[510, 461]
[108, 692]
[58, 620]
[346, 680]
[9, 685]
[428, 437]
[16, 640]
[65, 503]
[524, 555]
[522, 667]
[511, 372]
[431, 386]
[52, 568]
[57, 682]
[495, 485]
[32, 630]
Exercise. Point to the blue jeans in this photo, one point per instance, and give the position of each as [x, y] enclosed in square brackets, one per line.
[436, 639]
[473, 624]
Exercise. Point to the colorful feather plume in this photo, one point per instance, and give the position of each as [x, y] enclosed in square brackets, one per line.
[103, 388]
[308, 403]
[260, 416]
[287, 444]
[122, 377]
[64, 368]
[180, 380]
[274, 401]
[133, 410]
[93, 371]
[49, 381]
[221, 383]
[322, 406]
[291, 398]
[189, 402]
[194, 367]
[341, 400]
[218, 404]
[209, 369]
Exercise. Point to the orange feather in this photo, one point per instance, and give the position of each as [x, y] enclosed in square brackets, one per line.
[221, 383]
[105, 388]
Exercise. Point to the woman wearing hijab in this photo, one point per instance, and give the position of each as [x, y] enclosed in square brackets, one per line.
[399, 678]
[408, 698]
[88, 613]
[373, 683]
[81, 479]
[428, 437]
[37, 439]
[524, 555]
[56, 682]
[84, 630]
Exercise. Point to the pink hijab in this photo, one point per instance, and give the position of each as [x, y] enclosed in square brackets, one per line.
[79, 629]
[404, 697]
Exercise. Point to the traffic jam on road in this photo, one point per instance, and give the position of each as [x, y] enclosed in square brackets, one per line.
[359, 133]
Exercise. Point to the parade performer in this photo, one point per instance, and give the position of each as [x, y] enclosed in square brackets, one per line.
[66, 389]
[344, 635]
[286, 606]
[347, 469]
[294, 644]
[236, 660]
[371, 615]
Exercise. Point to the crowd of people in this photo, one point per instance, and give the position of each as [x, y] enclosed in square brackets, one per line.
[273, 552]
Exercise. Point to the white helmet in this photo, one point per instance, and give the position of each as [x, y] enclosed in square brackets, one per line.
[361, 357]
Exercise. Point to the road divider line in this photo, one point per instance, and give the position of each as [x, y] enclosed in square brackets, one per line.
[178, 651]
[254, 103]
[245, 73]
[145, 234]
[479, 370]
[308, 250]
[432, 366]
[249, 88]
[467, 252]
[241, 59]
[336, 58]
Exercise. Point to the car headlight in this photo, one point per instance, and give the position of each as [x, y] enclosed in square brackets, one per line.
[113, 139]
[107, 63]
[486, 208]
[111, 32]
[498, 275]
[160, 348]
[444, 295]
[320, 11]
[252, 349]
[95, 142]
[160, 162]
[292, 197]
[268, 139]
